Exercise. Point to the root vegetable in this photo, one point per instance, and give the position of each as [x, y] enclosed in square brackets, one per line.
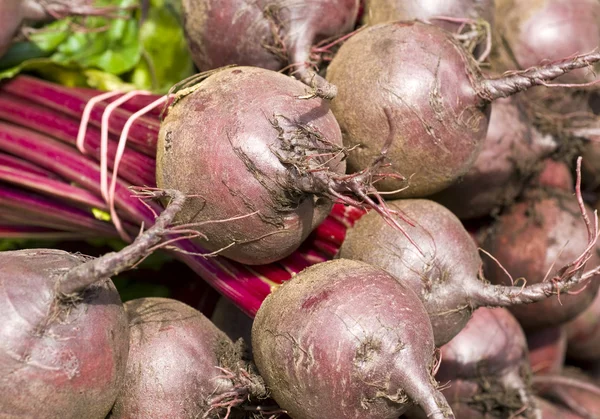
[436, 94]
[266, 33]
[485, 368]
[447, 274]
[180, 365]
[533, 240]
[346, 339]
[238, 148]
[65, 335]
[510, 155]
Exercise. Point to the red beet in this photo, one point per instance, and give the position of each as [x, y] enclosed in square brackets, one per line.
[243, 144]
[547, 350]
[574, 392]
[65, 336]
[583, 333]
[553, 411]
[485, 368]
[272, 34]
[380, 11]
[533, 240]
[345, 339]
[531, 32]
[437, 97]
[180, 364]
[510, 155]
[446, 274]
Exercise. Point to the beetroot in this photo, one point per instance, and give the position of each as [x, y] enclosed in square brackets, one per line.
[447, 274]
[345, 339]
[485, 368]
[547, 350]
[437, 97]
[511, 151]
[553, 411]
[270, 34]
[380, 11]
[262, 154]
[531, 32]
[65, 336]
[533, 240]
[575, 392]
[180, 364]
[583, 333]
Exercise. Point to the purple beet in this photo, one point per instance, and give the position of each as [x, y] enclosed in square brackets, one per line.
[532, 32]
[511, 152]
[381, 11]
[181, 365]
[446, 274]
[271, 34]
[453, 15]
[485, 368]
[436, 94]
[345, 339]
[243, 144]
[547, 350]
[583, 333]
[533, 239]
[64, 331]
[573, 391]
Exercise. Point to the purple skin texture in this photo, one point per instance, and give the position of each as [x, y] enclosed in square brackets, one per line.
[511, 150]
[531, 238]
[219, 144]
[583, 333]
[439, 121]
[380, 11]
[344, 339]
[486, 367]
[436, 94]
[57, 359]
[174, 364]
[271, 34]
[547, 350]
[547, 30]
[65, 336]
[446, 275]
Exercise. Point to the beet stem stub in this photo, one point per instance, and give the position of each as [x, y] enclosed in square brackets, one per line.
[113, 263]
[515, 82]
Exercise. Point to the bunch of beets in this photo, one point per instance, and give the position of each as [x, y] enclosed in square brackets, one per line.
[395, 200]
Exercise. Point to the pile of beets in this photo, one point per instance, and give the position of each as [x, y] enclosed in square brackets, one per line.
[396, 200]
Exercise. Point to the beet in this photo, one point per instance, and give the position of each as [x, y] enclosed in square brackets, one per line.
[547, 350]
[531, 32]
[380, 11]
[344, 338]
[510, 155]
[537, 237]
[553, 411]
[486, 368]
[576, 393]
[583, 333]
[180, 364]
[446, 275]
[271, 34]
[436, 94]
[242, 150]
[65, 336]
